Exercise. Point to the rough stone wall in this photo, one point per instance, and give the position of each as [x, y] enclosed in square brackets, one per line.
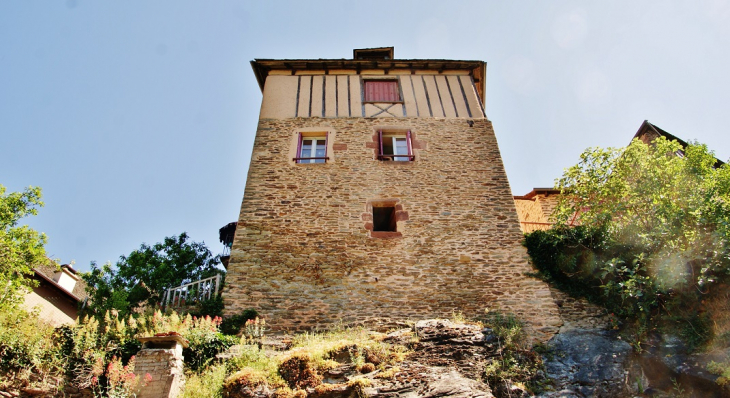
[548, 203]
[529, 210]
[579, 313]
[303, 257]
[165, 366]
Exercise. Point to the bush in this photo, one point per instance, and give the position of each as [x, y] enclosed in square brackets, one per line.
[516, 364]
[233, 324]
[299, 371]
[93, 344]
[212, 307]
[584, 262]
[200, 354]
[27, 345]
[242, 383]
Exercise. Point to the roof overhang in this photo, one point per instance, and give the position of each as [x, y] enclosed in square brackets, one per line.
[477, 69]
[56, 285]
[539, 191]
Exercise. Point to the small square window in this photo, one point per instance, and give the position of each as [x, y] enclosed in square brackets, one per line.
[384, 219]
[381, 91]
[312, 148]
[395, 146]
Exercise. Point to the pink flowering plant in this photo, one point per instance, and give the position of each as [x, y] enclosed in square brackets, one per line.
[121, 382]
[97, 350]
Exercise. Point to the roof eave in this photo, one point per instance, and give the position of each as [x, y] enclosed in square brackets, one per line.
[56, 285]
[478, 69]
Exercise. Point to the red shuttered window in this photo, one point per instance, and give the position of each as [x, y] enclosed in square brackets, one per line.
[382, 91]
[312, 148]
[395, 146]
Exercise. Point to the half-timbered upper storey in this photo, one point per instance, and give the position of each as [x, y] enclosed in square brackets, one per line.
[371, 85]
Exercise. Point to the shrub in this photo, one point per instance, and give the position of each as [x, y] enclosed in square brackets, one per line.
[299, 371]
[205, 341]
[233, 324]
[212, 307]
[121, 382]
[516, 364]
[242, 383]
[92, 344]
[653, 238]
[27, 345]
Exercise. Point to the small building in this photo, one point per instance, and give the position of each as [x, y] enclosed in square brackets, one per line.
[58, 295]
[535, 209]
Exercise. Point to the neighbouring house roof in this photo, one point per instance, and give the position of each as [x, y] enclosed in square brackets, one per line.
[648, 132]
[477, 69]
[47, 272]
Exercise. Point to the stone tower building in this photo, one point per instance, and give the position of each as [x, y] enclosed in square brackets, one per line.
[376, 192]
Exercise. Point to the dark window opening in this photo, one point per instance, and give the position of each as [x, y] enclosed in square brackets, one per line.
[380, 53]
[384, 219]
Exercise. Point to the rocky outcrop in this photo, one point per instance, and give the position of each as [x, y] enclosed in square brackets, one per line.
[588, 363]
[446, 361]
[587, 358]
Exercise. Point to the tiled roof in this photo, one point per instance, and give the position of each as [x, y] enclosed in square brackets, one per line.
[48, 270]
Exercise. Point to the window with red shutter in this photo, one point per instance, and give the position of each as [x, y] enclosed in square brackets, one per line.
[312, 148]
[395, 146]
[381, 91]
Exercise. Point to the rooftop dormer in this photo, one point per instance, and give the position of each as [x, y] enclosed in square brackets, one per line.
[66, 277]
[379, 53]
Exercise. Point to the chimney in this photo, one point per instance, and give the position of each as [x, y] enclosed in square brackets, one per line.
[66, 278]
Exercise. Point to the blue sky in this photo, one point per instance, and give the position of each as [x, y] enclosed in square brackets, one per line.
[137, 118]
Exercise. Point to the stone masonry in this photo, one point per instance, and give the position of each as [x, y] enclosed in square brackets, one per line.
[164, 367]
[304, 254]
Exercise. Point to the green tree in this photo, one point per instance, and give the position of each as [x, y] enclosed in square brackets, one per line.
[654, 226]
[145, 274]
[21, 247]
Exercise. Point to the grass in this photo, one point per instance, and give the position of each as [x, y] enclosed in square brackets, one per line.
[362, 346]
[205, 384]
[289, 373]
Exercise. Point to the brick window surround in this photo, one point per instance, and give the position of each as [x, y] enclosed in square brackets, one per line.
[389, 228]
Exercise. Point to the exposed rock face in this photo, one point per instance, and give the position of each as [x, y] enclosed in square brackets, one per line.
[446, 362]
[588, 363]
[587, 359]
